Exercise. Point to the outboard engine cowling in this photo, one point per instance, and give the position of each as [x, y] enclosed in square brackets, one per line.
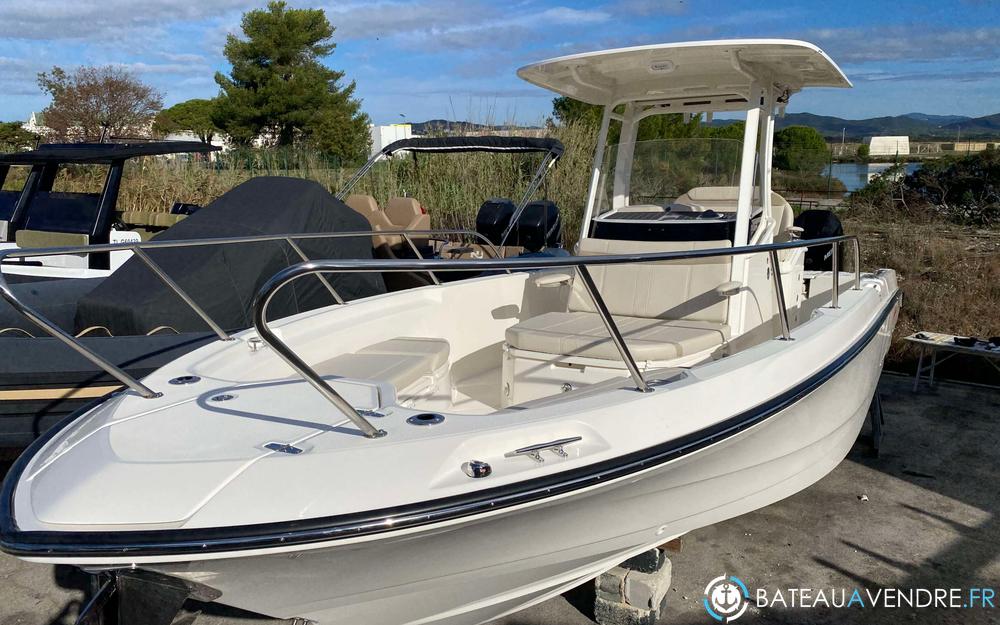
[819, 224]
[539, 226]
[493, 217]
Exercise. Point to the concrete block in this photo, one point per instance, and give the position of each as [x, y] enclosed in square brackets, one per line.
[612, 583]
[616, 613]
[647, 590]
[646, 562]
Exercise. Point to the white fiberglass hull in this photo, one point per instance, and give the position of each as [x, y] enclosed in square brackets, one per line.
[473, 570]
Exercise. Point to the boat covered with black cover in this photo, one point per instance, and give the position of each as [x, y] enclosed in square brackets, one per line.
[135, 321]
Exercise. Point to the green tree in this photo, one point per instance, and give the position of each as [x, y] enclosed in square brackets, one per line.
[195, 116]
[13, 136]
[801, 149]
[279, 89]
[670, 126]
[570, 111]
[863, 152]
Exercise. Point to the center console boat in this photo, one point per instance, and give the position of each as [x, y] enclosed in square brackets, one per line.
[457, 452]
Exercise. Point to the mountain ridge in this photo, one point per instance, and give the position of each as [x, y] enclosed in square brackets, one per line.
[917, 126]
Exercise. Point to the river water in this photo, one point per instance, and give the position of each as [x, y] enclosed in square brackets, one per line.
[856, 175]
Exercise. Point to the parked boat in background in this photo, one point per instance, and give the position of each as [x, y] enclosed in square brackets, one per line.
[38, 216]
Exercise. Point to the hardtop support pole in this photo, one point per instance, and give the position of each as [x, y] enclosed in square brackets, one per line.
[595, 171]
[748, 162]
[624, 158]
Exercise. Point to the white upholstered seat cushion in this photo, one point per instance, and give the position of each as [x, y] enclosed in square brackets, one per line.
[584, 334]
[400, 361]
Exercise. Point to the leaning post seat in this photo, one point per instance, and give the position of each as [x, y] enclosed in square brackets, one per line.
[669, 311]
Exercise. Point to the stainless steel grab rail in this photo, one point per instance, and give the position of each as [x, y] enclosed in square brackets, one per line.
[139, 249]
[289, 274]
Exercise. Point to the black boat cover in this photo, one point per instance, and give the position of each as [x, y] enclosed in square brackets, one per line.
[102, 153]
[475, 144]
[223, 279]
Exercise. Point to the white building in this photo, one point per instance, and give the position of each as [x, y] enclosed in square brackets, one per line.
[888, 146]
[384, 135]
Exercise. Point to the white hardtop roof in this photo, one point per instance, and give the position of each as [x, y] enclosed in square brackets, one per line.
[696, 69]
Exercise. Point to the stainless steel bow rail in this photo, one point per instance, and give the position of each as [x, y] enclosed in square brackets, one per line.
[140, 251]
[579, 263]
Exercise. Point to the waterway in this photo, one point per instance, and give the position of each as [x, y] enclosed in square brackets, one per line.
[856, 175]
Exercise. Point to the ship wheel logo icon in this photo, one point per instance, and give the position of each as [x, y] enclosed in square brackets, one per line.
[726, 598]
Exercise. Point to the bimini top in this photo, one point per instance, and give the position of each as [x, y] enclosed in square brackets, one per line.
[720, 71]
[475, 144]
[102, 153]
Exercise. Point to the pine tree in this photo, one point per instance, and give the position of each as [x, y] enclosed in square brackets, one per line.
[279, 90]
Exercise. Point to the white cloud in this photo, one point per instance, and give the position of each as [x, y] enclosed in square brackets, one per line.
[97, 20]
[907, 43]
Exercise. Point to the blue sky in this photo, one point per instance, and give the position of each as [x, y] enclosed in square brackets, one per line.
[443, 59]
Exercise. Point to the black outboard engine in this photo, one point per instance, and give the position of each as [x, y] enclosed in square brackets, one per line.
[493, 217]
[819, 224]
[538, 227]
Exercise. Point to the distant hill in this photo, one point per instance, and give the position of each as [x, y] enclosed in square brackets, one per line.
[914, 125]
[938, 119]
[988, 126]
[917, 126]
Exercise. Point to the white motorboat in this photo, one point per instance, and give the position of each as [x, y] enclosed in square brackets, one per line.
[456, 452]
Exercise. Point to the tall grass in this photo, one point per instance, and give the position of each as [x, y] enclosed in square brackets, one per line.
[950, 275]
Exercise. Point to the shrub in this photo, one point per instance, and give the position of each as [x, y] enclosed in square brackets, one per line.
[800, 149]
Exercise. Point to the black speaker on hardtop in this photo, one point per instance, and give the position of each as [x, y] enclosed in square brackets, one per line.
[538, 227]
[493, 217]
[819, 224]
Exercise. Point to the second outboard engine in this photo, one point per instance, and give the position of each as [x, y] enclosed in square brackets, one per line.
[493, 217]
[819, 224]
[538, 227]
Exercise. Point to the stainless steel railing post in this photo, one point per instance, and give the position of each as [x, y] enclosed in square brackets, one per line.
[835, 270]
[417, 253]
[779, 292]
[616, 336]
[162, 275]
[308, 373]
[322, 278]
[56, 332]
[119, 374]
[857, 263]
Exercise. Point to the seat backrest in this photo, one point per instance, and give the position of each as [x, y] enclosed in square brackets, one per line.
[715, 198]
[783, 216]
[680, 289]
[363, 204]
[403, 211]
[368, 208]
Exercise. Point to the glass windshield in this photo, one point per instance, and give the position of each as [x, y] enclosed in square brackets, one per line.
[667, 169]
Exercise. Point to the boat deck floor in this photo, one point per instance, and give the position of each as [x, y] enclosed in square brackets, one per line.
[931, 520]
